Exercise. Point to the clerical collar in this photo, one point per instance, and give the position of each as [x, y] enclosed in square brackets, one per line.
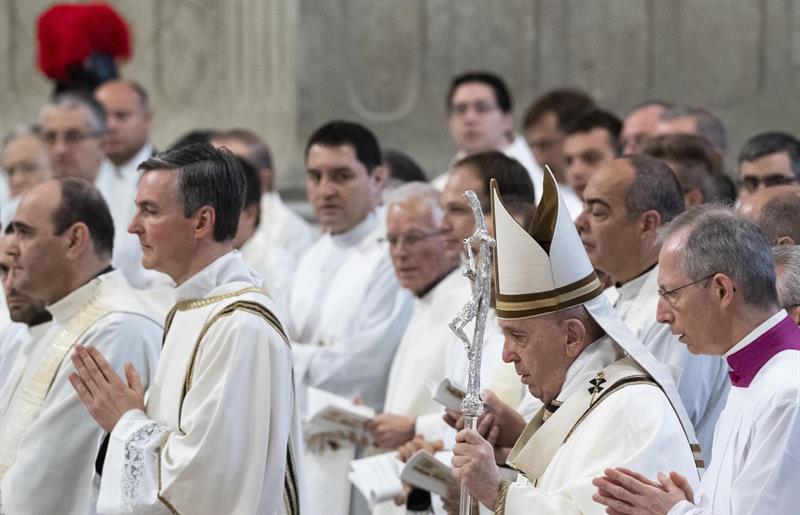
[434, 284]
[639, 279]
[746, 358]
[356, 234]
[225, 269]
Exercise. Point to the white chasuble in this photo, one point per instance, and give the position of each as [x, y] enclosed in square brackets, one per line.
[702, 381]
[219, 429]
[48, 440]
[632, 424]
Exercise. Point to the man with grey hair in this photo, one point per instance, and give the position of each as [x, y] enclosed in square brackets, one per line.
[787, 273]
[693, 120]
[627, 201]
[24, 162]
[768, 159]
[717, 292]
[776, 211]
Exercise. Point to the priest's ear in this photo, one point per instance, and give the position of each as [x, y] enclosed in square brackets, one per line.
[794, 314]
[723, 288]
[577, 336]
[651, 221]
[205, 218]
[77, 239]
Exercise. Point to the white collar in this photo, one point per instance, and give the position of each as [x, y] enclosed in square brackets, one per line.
[636, 286]
[756, 333]
[65, 308]
[356, 234]
[225, 269]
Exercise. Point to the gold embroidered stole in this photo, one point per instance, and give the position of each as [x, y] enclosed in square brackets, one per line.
[540, 441]
[25, 408]
[291, 494]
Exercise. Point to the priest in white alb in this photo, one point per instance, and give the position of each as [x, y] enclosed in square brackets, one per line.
[717, 291]
[218, 432]
[607, 402]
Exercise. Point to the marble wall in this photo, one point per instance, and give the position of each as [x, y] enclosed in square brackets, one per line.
[283, 67]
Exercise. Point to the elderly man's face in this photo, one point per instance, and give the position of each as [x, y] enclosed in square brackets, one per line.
[585, 152]
[537, 347]
[25, 163]
[417, 245]
[765, 172]
[73, 149]
[38, 254]
[477, 122]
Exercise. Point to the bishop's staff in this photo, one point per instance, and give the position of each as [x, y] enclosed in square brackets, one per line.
[480, 275]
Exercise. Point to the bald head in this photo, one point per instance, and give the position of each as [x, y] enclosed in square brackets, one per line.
[639, 124]
[127, 119]
[776, 211]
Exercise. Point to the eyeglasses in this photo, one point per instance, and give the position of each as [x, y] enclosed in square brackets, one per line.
[751, 183]
[669, 295]
[479, 107]
[70, 137]
[410, 239]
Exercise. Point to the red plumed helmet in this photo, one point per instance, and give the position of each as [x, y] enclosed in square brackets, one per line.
[70, 33]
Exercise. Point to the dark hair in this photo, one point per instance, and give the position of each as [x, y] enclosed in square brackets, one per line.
[654, 187]
[337, 133]
[402, 167]
[708, 126]
[192, 137]
[257, 149]
[597, 118]
[512, 178]
[252, 180]
[566, 104]
[780, 217]
[81, 202]
[206, 177]
[694, 160]
[767, 143]
[501, 93]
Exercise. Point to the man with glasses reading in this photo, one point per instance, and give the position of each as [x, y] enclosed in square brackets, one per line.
[717, 292]
[768, 159]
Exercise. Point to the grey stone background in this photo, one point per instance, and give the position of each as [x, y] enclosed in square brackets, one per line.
[283, 67]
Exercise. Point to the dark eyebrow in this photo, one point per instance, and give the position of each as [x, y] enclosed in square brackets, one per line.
[21, 226]
[592, 201]
[145, 203]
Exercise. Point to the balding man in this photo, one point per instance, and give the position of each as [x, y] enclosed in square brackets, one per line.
[776, 211]
[627, 201]
[787, 278]
[641, 123]
[61, 249]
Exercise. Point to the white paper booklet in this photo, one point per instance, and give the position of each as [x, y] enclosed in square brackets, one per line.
[429, 472]
[448, 393]
[328, 412]
[377, 477]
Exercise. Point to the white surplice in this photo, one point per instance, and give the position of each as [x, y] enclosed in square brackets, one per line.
[12, 341]
[274, 264]
[519, 150]
[220, 433]
[118, 185]
[284, 228]
[702, 380]
[347, 316]
[756, 465]
[25, 339]
[633, 427]
[51, 462]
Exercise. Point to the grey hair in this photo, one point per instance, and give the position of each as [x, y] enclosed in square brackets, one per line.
[655, 187]
[72, 100]
[594, 331]
[420, 192]
[721, 242]
[24, 130]
[781, 217]
[788, 282]
[708, 125]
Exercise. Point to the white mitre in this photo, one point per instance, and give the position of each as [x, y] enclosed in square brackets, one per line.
[545, 269]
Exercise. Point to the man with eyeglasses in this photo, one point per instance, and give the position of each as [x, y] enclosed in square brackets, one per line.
[347, 311]
[766, 160]
[480, 117]
[25, 165]
[718, 296]
[627, 201]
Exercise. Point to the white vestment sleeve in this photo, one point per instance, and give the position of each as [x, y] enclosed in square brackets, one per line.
[359, 363]
[229, 453]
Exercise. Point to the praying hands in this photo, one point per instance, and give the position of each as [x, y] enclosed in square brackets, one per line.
[626, 492]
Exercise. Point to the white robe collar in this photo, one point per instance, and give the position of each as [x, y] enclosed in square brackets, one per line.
[357, 234]
[64, 309]
[226, 269]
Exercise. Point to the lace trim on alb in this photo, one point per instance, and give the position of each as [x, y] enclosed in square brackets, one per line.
[133, 465]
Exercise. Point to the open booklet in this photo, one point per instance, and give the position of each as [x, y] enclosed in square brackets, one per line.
[377, 477]
[328, 412]
[429, 472]
[447, 393]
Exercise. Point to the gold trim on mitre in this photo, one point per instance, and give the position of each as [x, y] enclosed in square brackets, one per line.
[542, 269]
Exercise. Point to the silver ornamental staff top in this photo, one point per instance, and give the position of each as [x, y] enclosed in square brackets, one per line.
[480, 275]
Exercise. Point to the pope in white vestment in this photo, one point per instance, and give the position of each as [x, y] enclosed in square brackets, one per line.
[220, 432]
[48, 441]
[756, 464]
[702, 380]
